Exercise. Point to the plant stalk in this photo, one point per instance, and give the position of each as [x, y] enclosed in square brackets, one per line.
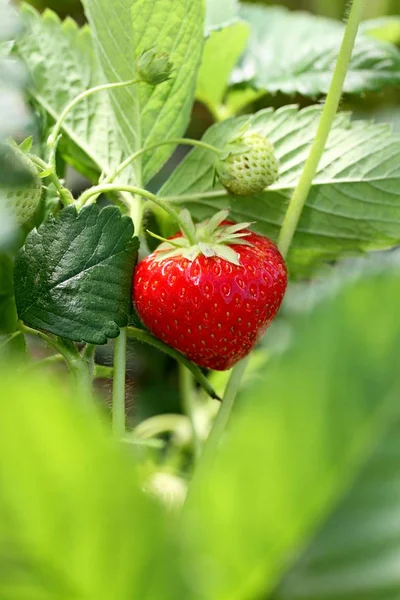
[64, 194]
[329, 111]
[118, 396]
[189, 406]
[144, 336]
[118, 187]
[299, 197]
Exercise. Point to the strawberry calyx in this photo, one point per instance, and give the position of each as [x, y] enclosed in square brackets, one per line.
[210, 238]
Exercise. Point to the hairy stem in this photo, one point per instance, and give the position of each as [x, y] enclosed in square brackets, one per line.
[188, 405]
[146, 337]
[118, 398]
[117, 187]
[328, 115]
[54, 136]
[299, 197]
[175, 141]
[64, 194]
[193, 197]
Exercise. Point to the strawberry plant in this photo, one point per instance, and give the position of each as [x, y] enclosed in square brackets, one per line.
[256, 278]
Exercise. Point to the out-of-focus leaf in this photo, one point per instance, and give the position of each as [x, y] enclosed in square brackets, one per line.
[146, 114]
[73, 277]
[221, 52]
[386, 29]
[356, 555]
[73, 521]
[294, 52]
[353, 204]
[8, 312]
[14, 114]
[220, 13]
[300, 435]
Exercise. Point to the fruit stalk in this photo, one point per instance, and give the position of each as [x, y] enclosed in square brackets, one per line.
[300, 195]
[119, 187]
[118, 404]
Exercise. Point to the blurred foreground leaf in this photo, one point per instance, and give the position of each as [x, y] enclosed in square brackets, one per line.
[301, 433]
[73, 521]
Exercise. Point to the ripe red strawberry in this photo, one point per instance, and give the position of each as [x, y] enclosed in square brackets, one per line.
[214, 300]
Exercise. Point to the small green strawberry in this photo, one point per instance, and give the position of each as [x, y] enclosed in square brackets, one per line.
[249, 164]
[22, 200]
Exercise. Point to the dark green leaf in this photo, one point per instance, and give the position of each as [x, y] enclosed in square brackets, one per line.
[74, 275]
[302, 431]
[294, 52]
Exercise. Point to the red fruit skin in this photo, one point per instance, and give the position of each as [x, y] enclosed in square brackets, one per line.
[212, 311]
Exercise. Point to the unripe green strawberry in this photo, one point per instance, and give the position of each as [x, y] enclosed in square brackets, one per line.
[249, 165]
[22, 200]
[153, 68]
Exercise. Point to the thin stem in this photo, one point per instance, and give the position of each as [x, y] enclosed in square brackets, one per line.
[328, 115]
[189, 405]
[118, 187]
[64, 194]
[299, 197]
[225, 410]
[157, 425]
[182, 141]
[9, 338]
[194, 197]
[53, 138]
[147, 338]
[118, 399]
[57, 345]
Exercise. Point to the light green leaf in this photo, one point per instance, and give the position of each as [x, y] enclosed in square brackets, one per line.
[294, 52]
[302, 431]
[386, 29]
[356, 553]
[146, 115]
[354, 203]
[62, 64]
[221, 53]
[220, 13]
[73, 521]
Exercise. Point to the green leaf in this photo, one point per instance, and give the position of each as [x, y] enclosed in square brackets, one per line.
[220, 13]
[356, 553]
[353, 205]
[74, 275]
[73, 520]
[301, 432]
[221, 52]
[386, 29]
[62, 64]
[294, 52]
[145, 114]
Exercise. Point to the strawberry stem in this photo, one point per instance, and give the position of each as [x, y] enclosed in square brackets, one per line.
[95, 191]
[144, 336]
[118, 395]
[63, 193]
